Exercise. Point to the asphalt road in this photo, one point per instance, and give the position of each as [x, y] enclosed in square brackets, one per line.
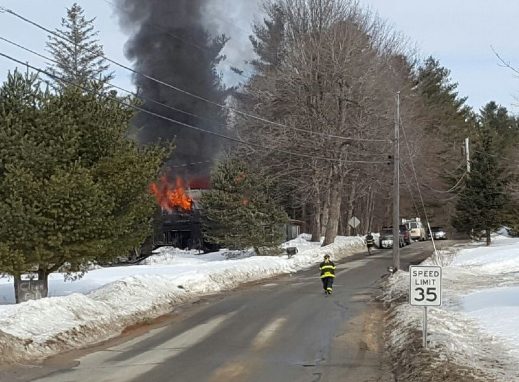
[284, 329]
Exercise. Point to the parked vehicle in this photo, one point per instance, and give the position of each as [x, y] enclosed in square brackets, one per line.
[439, 233]
[416, 229]
[386, 238]
[405, 233]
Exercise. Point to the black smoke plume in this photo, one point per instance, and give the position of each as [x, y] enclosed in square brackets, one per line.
[170, 42]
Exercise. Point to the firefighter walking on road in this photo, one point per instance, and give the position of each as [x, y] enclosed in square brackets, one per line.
[327, 268]
[370, 242]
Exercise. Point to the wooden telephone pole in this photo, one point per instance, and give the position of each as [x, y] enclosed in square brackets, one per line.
[396, 189]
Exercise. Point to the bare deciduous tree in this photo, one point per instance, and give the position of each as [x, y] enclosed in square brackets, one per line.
[331, 89]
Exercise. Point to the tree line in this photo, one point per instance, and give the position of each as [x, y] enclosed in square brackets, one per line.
[326, 75]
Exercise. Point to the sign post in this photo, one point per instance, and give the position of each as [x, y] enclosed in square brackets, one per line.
[354, 223]
[425, 290]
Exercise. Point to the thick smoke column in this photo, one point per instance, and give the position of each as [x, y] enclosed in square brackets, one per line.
[170, 42]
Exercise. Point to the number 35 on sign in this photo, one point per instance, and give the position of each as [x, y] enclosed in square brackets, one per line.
[426, 285]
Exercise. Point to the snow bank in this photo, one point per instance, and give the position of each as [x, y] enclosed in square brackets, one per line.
[493, 304]
[496, 311]
[501, 257]
[122, 296]
[175, 256]
[474, 335]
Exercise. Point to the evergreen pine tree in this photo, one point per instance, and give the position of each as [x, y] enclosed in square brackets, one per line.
[238, 211]
[73, 188]
[497, 119]
[79, 55]
[446, 121]
[268, 39]
[447, 114]
[482, 203]
[438, 90]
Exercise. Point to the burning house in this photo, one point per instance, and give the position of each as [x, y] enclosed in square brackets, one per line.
[174, 44]
[179, 223]
[176, 48]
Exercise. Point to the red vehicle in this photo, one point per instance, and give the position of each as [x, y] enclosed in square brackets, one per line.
[405, 233]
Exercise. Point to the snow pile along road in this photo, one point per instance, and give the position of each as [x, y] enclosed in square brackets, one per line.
[473, 335]
[123, 296]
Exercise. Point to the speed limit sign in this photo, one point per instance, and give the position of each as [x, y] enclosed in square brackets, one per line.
[426, 285]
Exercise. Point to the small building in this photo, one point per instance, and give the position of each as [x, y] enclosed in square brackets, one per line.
[293, 229]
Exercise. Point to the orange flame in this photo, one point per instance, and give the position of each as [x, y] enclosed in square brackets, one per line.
[172, 197]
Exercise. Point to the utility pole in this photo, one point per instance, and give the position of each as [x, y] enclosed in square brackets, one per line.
[467, 153]
[396, 189]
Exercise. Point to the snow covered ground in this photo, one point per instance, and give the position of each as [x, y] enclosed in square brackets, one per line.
[107, 300]
[477, 328]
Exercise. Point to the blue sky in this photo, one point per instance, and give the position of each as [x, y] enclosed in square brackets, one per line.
[459, 33]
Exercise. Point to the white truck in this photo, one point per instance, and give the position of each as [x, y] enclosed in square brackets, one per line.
[416, 229]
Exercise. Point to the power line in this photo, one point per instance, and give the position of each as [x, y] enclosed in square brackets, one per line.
[157, 115]
[237, 111]
[410, 191]
[154, 101]
[111, 84]
[450, 189]
[418, 185]
[413, 168]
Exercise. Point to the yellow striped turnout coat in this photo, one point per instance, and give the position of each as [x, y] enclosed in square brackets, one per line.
[327, 268]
